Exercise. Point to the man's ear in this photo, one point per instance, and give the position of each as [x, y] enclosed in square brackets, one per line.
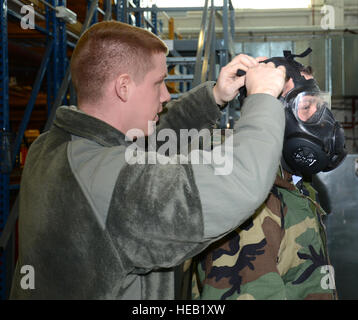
[122, 86]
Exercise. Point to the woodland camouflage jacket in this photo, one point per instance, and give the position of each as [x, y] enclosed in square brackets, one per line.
[278, 253]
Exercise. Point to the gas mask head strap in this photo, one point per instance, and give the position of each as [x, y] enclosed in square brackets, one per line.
[294, 68]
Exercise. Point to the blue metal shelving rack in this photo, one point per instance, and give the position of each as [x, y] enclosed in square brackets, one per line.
[57, 67]
[54, 64]
[4, 121]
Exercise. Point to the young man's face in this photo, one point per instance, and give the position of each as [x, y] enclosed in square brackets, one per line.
[148, 96]
[307, 107]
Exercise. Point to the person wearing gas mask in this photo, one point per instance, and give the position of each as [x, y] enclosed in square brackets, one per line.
[280, 252]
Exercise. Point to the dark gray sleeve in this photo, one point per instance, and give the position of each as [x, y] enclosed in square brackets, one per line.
[190, 114]
[155, 216]
[160, 214]
[233, 188]
[195, 109]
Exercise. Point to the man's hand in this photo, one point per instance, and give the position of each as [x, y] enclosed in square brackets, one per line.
[228, 83]
[265, 78]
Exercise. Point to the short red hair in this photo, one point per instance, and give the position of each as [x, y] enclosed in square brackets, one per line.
[108, 49]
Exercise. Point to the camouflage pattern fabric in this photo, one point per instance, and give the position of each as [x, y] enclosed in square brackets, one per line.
[278, 253]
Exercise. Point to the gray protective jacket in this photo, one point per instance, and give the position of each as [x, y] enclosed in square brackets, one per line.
[93, 226]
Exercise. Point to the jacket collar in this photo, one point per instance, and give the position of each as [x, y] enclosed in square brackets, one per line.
[284, 180]
[78, 123]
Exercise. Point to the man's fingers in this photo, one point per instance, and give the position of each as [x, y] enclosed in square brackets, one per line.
[243, 57]
[271, 65]
[249, 61]
[265, 78]
[260, 59]
[283, 69]
[242, 60]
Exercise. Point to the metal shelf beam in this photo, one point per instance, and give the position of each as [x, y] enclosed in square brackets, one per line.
[4, 130]
[54, 63]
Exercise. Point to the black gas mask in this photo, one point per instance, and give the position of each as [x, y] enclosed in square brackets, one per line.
[314, 140]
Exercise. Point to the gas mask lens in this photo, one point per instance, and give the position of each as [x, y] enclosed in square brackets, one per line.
[309, 106]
